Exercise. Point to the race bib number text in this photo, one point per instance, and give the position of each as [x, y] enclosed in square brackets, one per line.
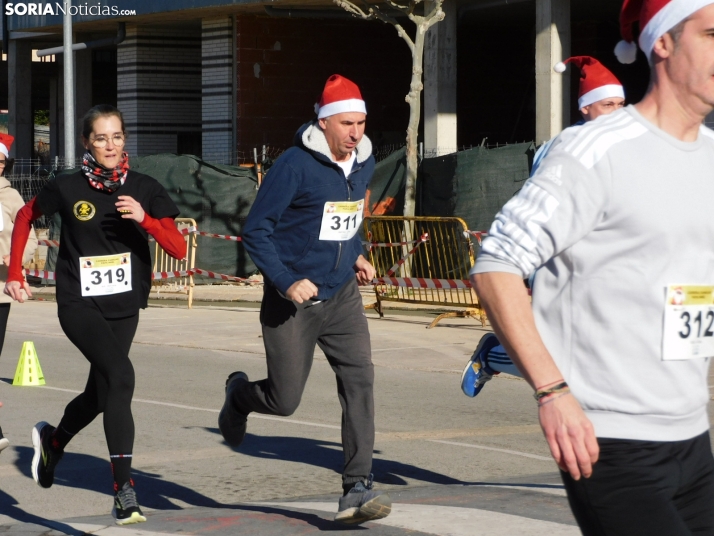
[688, 322]
[106, 274]
[341, 220]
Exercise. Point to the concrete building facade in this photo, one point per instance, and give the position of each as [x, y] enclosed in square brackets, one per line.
[220, 78]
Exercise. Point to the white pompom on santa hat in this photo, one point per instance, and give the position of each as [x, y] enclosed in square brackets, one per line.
[656, 18]
[5, 144]
[339, 96]
[596, 80]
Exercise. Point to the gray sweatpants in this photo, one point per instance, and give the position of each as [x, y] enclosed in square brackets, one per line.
[339, 327]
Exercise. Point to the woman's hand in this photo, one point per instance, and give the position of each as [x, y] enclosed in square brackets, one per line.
[14, 290]
[130, 209]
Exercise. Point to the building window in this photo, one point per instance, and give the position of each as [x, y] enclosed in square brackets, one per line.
[36, 58]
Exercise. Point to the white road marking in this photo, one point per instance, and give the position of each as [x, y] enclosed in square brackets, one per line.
[452, 520]
[507, 451]
[416, 347]
[194, 408]
[549, 490]
[314, 424]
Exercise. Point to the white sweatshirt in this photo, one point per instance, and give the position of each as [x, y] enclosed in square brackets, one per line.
[616, 213]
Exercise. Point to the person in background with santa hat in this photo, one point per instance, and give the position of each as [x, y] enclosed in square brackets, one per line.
[601, 93]
[10, 203]
[619, 371]
[301, 232]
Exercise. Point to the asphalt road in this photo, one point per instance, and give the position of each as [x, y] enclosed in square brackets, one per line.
[453, 465]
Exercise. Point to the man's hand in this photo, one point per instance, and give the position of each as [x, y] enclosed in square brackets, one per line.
[570, 435]
[301, 291]
[6, 260]
[364, 270]
[130, 208]
[14, 290]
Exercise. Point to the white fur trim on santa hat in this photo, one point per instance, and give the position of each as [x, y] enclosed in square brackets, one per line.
[626, 52]
[339, 107]
[603, 92]
[4, 150]
[667, 18]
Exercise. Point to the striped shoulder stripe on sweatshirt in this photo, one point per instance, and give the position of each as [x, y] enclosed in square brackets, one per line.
[513, 237]
[514, 233]
[593, 140]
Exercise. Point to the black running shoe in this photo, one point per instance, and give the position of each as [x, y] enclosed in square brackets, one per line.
[126, 509]
[362, 504]
[46, 458]
[231, 422]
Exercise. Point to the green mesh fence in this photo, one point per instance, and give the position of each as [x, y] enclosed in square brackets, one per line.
[472, 184]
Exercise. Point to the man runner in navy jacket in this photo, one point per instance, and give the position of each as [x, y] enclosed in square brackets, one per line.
[302, 234]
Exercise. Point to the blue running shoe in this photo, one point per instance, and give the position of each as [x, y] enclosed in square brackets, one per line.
[477, 371]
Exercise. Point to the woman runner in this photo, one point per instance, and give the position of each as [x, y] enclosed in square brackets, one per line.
[10, 203]
[103, 279]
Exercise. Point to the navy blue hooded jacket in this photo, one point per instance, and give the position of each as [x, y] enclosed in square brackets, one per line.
[283, 226]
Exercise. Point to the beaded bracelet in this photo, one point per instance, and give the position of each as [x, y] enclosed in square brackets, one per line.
[558, 388]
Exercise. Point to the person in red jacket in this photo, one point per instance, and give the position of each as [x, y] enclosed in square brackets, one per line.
[103, 279]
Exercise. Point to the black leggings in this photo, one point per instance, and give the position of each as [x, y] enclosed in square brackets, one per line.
[105, 342]
[4, 313]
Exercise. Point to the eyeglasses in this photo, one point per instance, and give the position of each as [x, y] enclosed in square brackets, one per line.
[117, 140]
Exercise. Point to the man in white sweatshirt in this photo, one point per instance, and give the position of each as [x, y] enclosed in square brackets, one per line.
[619, 336]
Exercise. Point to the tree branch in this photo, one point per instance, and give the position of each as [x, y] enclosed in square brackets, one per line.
[403, 9]
[436, 15]
[352, 8]
[379, 14]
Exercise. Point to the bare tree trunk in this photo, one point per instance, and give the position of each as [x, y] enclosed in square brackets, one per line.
[422, 23]
[414, 100]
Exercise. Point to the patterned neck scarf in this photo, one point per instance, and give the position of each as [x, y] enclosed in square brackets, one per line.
[105, 179]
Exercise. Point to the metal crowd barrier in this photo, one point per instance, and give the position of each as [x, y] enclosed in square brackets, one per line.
[163, 262]
[446, 254]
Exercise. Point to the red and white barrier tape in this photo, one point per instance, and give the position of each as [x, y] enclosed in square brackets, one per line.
[40, 273]
[194, 230]
[476, 234]
[419, 282]
[158, 276]
[401, 261]
[388, 244]
[410, 282]
[223, 277]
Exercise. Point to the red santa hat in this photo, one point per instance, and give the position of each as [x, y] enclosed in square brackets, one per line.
[596, 80]
[656, 18]
[5, 144]
[339, 96]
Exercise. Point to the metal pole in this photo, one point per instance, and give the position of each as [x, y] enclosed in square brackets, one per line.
[69, 119]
